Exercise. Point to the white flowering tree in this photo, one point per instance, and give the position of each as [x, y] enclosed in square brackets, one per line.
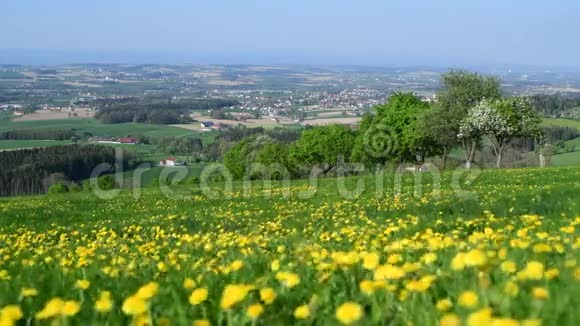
[502, 120]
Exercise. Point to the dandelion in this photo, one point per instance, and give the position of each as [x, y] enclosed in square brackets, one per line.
[188, 284]
[104, 304]
[450, 320]
[82, 284]
[349, 313]
[371, 261]
[444, 305]
[198, 296]
[480, 317]
[52, 309]
[134, 305]
[148, 291]
[540, 293]
[468, 299]
[302, 312]
[28, 292]
[267, 295]
[70, 308]
[254, 311]
[201, 322]
[233, 294]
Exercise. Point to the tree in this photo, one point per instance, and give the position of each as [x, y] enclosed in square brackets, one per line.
[394, 132]
[461, 91]
[323, 147]
[502, 120]
[239, 157]
[435, 124]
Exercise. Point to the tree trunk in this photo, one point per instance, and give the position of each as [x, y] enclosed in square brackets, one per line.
[444, 157]
[470, 153]
[542, 160]
[499, 157]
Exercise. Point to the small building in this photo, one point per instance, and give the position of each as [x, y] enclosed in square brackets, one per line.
[127, 140]
[207, 124]
[170, 161]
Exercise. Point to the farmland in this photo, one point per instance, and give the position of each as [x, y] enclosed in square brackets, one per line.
[497, 245]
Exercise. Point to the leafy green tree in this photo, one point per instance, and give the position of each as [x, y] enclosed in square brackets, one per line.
[435, 123]
[395, 133]
[461, 91]
[239, 157]
[324, 147]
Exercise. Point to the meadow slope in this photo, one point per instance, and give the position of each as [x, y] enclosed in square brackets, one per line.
[496, 246]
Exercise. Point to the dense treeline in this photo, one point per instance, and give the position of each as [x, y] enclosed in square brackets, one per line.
[40, 134]
[160, 113]
[33, 171]
[556, 105]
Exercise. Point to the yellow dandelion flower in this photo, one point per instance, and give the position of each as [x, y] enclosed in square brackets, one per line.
[540, 293]
[233, 294]
[267, 295]
[302, 312]
[198, 296]
[52, 309]
[188, 284]
[82, 284]
[504, 322]
[28, 292]
[70, 308]
[444, 304]
[468, 299]
[479, 318]
[388, 272]
[450, 320]
[371, 261]
[134, 305]
[11, 313]
[349, 313]
[148, 291]
[475, 258]
[104, 304]
[201, 322]
[254, 311]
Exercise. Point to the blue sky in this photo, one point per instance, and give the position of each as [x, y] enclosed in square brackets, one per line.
[369, 32]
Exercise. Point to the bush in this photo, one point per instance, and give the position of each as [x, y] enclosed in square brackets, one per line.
[58, 188]
[107, 182]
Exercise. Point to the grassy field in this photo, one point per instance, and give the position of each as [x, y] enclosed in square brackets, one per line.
[97, 128]
[561, 122]
[503, 250]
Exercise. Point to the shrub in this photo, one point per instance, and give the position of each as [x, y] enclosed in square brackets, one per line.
[58, 188]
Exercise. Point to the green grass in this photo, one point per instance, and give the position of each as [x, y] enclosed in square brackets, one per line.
[430, 246]
[566, 159]
[96, 128]
[561, 122]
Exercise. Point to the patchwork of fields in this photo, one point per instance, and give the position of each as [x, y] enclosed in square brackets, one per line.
[496, 247]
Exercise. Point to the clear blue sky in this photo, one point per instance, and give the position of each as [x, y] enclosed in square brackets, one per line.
[300, 31]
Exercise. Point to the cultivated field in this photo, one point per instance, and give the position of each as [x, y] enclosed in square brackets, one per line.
[496, 247]
[41, 115]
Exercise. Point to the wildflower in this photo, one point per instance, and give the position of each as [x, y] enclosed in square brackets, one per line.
[70, 308]
[28, 292]
[302, 312]
[349, 312]
[388, 272]
[458, 262]
[533, 271]
[504, 322]
[450, 320]
[104, 304]
[480, 317]
[10, 314]
[289, 280]
[198, 296]
[254, 311]
[468, 299]
[134, 305]
[233, 294]
[367, 287]
[267, 295]
[540, 293]
[508, 266]
[371, 261]
[429, 258]
[148, 291]
[201, 322]
[444, 305]
[52, 309]
[188, 284]
[531, 322]
[82, 284]
[475, 258]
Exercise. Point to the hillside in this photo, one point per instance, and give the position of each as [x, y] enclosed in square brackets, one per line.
[508, 240]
